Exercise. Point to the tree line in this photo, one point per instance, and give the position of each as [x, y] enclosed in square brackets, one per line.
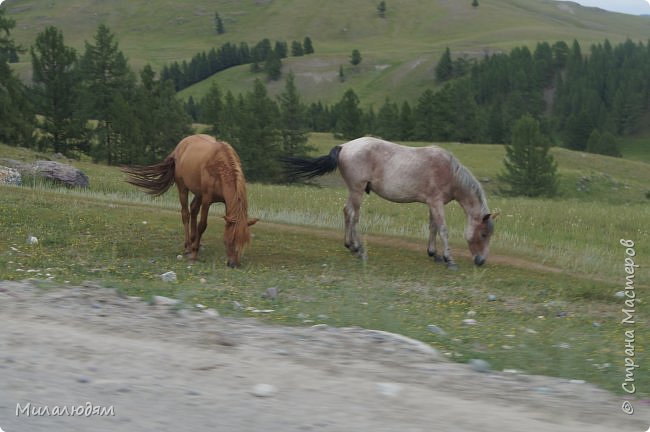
[93, 103]
[263, 56]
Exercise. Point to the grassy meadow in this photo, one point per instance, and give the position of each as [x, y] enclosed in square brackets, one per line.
[554, 268]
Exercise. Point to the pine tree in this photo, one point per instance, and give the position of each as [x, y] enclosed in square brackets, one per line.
[604, 144]
[293, 121]
[529, 168]
[355, 57]
[297, 49]
[444, 69]
[16, 116]
[211, 109]
[388, 121]
[381, 9]
[273, 66]
[308, 47]
[348, 116]
[475, 3]
[105, 77]
[55, 91]
[218, 23]
[258, 142]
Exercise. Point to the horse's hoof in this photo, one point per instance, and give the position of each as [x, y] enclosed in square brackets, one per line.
[452, 266]
[436, 258]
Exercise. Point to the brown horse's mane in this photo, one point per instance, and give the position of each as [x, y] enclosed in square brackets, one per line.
[229, 170]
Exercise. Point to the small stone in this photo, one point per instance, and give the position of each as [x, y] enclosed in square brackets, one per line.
[388, 389]
[179, 257]
[491, 297]
[164, 301]
[469, 321]
[203, 280]
[479, 365]
[270, 293]
[511, 371]
[83, 380]
[596, 324]
[531, 331]
[169, 276]
[562, 314]
[436, 330]
[31, 240]
[471, 313]
[576, 381]
[237, 306]
[302, 316]
[620, 294]
[264, 390]
[211, 313]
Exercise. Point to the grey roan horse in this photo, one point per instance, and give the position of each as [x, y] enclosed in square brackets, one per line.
[429, 175]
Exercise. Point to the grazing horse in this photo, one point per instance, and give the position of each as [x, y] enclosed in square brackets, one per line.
[211, 170]
[429, 175]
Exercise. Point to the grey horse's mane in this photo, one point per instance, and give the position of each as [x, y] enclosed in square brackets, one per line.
[467, 181]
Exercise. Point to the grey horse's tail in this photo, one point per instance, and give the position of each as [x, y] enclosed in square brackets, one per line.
[297, 168]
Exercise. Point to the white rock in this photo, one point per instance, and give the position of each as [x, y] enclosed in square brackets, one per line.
[469, 321]
[164, 301]
[388, 389]
[211, 313]
[479, 365]
[31, 240]
[169, 276]
[264, 390]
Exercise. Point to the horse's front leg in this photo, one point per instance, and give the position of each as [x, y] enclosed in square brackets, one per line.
[195, 206]
[203, 224]
[437, 215]
[351, 211]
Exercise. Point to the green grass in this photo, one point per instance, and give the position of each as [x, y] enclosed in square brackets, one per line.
[119, 237]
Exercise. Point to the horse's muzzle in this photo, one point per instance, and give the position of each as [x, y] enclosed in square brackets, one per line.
[479, 260]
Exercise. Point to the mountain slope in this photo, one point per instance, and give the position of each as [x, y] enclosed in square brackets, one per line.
[399, 51]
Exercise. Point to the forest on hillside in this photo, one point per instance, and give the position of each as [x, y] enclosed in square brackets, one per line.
[93, 103]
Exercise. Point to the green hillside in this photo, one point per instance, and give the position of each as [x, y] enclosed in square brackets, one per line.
[399, 51]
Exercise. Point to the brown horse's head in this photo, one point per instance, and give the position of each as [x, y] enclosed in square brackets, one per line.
[236, 236]
[478, 234]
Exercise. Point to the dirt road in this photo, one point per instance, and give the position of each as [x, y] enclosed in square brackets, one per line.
[165, 369]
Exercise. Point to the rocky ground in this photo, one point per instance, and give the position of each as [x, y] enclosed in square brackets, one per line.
[162, 368]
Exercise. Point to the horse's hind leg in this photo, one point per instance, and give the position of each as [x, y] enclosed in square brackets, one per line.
[437, 217]
[185, 215]
[432, 249]
[351, 212]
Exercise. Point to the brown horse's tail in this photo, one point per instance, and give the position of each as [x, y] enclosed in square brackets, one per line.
[154, 179]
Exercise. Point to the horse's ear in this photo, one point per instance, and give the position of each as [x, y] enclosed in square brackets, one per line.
[252, 221]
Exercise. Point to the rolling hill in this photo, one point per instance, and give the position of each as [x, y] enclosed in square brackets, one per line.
[399, 51]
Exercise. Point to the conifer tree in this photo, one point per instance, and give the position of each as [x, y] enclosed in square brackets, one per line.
[529, 168]
[16, 116]
[293, 121]
[308, 46]
[348, 116]
[355, 57]
[218, 23]
[444, 69]
[55, 92]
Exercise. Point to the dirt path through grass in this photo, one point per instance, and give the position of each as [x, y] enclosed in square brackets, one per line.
[166, 369]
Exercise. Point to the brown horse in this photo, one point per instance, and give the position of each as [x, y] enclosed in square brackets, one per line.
[211, 170]
[429, 175]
